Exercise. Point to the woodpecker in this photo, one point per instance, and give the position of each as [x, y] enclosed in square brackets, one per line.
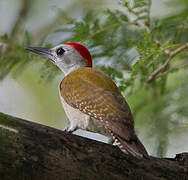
[86, 92]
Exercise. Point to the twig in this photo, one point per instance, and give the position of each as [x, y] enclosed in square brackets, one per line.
[139, 22]
[175, 68]
[166, 51]
[142, 25]
[162, 68]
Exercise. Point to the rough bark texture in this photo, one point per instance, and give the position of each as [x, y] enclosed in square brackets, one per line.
[33, 151]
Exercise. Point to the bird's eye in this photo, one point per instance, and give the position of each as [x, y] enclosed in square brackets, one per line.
[60, 51]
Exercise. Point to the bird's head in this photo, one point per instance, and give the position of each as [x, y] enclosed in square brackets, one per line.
[68, 56]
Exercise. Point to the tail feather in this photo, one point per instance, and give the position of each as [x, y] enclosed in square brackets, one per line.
[133, 147]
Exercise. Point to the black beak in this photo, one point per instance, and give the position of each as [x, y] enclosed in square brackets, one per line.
[41, 51]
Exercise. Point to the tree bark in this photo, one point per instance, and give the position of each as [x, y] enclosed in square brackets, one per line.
[33, 151]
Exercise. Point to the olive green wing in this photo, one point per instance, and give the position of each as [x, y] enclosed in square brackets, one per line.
[95, 94]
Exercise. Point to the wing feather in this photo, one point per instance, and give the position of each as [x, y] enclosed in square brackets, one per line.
[98, 97]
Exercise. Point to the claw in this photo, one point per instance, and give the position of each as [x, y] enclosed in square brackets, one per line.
[69, 129]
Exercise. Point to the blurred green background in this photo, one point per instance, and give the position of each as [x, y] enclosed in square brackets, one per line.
[128, 39]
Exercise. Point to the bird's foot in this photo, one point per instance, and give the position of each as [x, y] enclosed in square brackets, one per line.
[69, 129]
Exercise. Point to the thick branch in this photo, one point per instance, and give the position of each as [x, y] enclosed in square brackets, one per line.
[32, 151]
[171, 55]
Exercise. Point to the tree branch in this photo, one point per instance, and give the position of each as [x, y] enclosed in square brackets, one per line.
[163, 67]
[33, 151]
[175, 68]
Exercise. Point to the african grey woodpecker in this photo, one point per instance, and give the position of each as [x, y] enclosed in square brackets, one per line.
[86, 92]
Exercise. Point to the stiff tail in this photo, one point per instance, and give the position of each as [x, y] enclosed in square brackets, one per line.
[133, 146]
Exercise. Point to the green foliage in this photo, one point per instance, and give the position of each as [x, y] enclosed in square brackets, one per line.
[139, 8]
[129, 46]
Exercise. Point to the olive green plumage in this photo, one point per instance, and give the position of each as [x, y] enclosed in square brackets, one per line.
[95, 94]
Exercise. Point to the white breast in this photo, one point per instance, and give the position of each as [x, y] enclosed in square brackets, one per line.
[76, 117]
